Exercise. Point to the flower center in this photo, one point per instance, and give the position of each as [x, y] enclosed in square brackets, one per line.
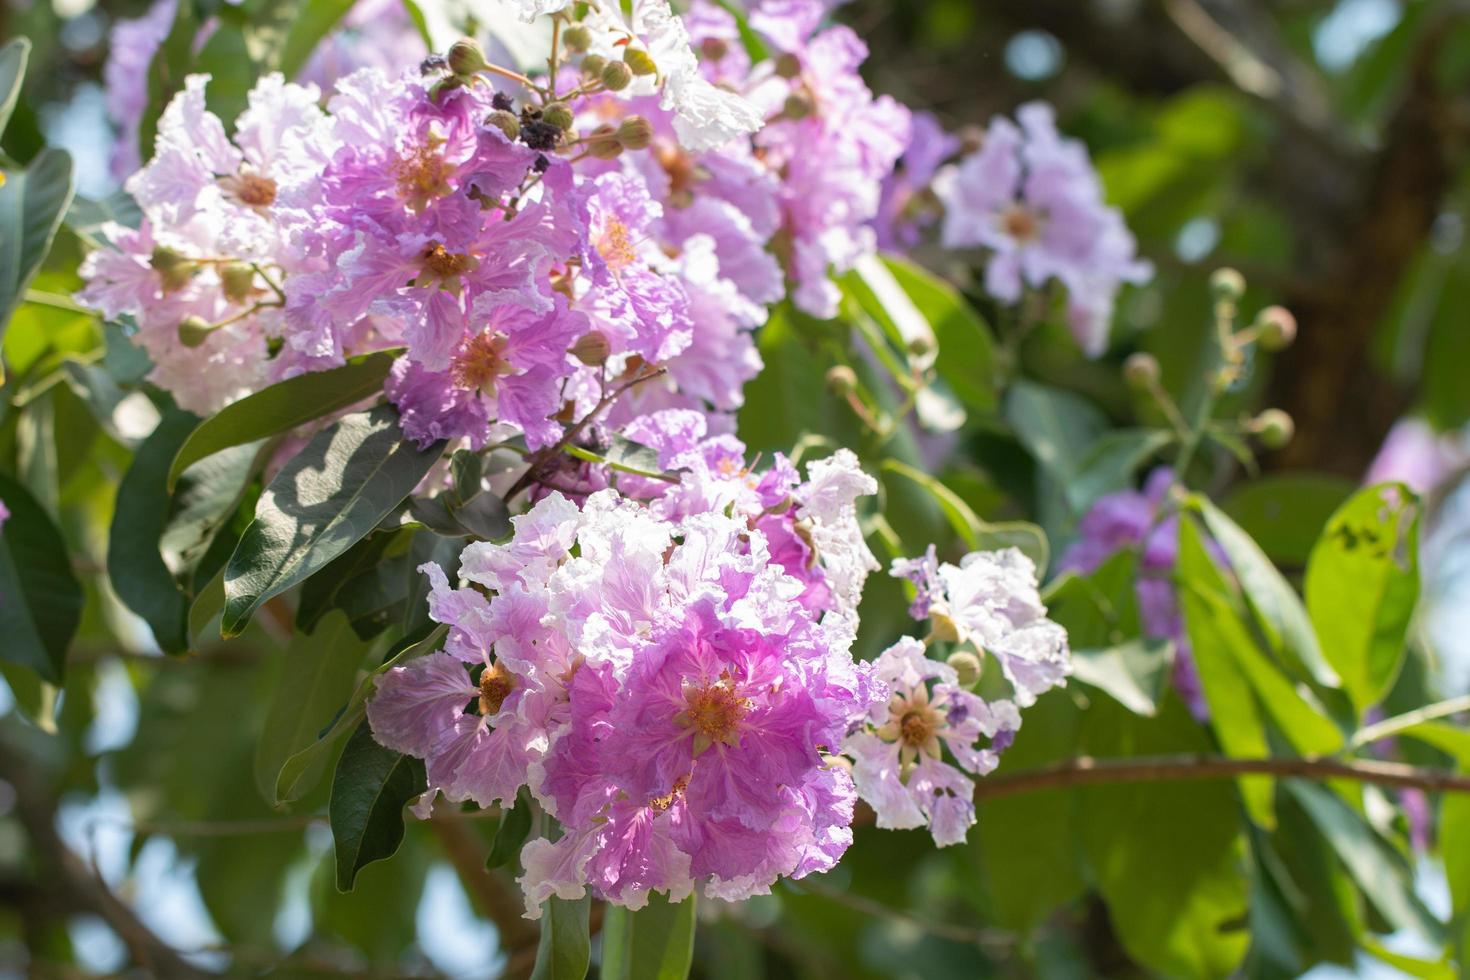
[615, 245]
[422, 175]
[914, 723]
[714, 712]
[496, 683]
[479, 361]
[441, 263]
[1021, 223]
[662, 803]
[251, 189]
[915, 728]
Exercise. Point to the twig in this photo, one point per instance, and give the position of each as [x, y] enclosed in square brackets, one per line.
[1392, 726]
[867, 906]
[1088, 771]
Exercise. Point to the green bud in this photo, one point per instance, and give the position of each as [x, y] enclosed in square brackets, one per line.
[798, 106]
[1277, 328]
[1228, 285]
[967, 665]
[639, 60]
[842, 380]
[591, 349]
[1274, 428]
[505, 121]
[173, 268]
[1141, 371]
[603, 144]
[788, 66]
[576, 38]
[616, 76]
[238, 281]
[593, 64]
[466, 58]
[635, 133]
[194, 330]
[558, 114]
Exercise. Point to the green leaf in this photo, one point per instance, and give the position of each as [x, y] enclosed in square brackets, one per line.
[654, 943]
[32, 204]
[1025, 846]
[232, 71]
[1286, 512]
[1057, 427]
[515, 826]
[86, 216]
[318, 678]
[283, 406]
[978, 535]
[1276, 606]
[369, 791]
[13, 58]
[565, 948]
[314, 20]
[1362, 585]
[206, 501]
[1379, 870]
[204, 612]
[301, 770]
[135, 565]
[40, 600]
[1110, 465]
[325, 499]
[1164, 856]
[966, 358]
[1213, 629]
[1136, 673]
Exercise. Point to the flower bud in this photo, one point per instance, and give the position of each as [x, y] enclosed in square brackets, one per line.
[942, 628]
[1227, 284]
[967, 665]
[576, 38]
[635, 133]
[237, 280]
[713, 49]
[591, 348]
[842, 380]
[593, 64]
[616, 76]
[1141, 371]
[466, 58]
[558, 114]
[603, 144]
[788, 66]
[173, 268]
[506, 122]
[1274, 428]
[1276, 328]
[194, 330]
[921, 345]
[798, 106]
[640, 61]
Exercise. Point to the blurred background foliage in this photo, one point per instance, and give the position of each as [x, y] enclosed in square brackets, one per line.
[1319, 146]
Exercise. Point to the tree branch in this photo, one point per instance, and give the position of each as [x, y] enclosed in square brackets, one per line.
[1088, 771]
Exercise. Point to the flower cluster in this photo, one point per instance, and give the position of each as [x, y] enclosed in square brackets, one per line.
[660, 683]
[988, 603]
[538, 246]
[1031, 200]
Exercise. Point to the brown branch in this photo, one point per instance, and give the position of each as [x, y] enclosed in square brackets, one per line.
[1088, 771]
[71, 883]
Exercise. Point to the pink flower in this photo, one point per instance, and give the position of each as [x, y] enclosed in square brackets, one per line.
[1033, 200]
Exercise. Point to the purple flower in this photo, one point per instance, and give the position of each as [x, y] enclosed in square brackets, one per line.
[1034, 202]
[899, 756]
[1416, 455]
[908, 206]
